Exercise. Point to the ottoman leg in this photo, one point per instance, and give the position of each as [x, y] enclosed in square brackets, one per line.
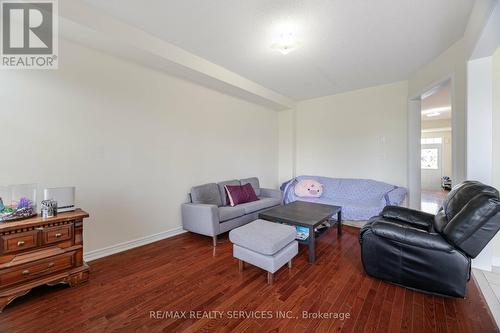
[270, 277]
[214, 240]
[290, 264]
[241, 265]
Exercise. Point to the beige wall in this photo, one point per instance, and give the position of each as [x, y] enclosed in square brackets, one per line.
[286, 145]
[496, 119]
[450, 64]
[483, 120]
[438, 123]
[132, 140]
[359, 134]
[496, 141]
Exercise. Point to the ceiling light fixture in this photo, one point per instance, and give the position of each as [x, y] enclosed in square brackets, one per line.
[285, 40]
[433, 114]
[434, 110]
[286, 43]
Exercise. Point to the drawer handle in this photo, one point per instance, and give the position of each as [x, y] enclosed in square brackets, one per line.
[58, 235]
[27, 271]
[20, 243]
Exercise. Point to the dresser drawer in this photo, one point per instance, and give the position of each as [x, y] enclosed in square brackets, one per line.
[57, 234]
[36, 269]
[19, 242]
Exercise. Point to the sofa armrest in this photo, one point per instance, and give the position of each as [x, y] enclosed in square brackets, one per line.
[201, 218]
[271, 193]
[408, 215]
[395, 196]
[410, 236]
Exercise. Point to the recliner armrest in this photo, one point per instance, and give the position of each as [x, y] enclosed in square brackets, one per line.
[201, 218]
[408, 215]
[271, 193]
[410, 236]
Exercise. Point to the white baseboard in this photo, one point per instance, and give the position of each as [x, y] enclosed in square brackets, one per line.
[481, 265]
[486, 264]
[495, 261]
[120, 247]
[488, 294]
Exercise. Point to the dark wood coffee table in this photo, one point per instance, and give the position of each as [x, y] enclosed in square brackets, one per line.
[306, 214]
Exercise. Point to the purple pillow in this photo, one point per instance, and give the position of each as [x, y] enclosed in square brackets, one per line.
[239, 194]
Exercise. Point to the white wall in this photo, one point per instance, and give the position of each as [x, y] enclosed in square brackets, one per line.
[359, 134]
[481, 124]
[438, 123]
[496, 118]
[414, 135]
[286, 145]
[450, 64]
[131, 139]
[495, 176]
[479, 120]
[489, 38]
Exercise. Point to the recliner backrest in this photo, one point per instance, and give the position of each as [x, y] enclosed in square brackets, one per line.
[462, 194]
[454, 202]
[470, 217]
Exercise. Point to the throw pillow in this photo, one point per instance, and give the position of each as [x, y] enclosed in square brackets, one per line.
[308, 188]
[239, 194]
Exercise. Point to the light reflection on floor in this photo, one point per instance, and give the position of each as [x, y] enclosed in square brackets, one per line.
[432, 200]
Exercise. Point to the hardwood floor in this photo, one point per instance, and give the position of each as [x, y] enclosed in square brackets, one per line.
[432, 200]
[184, 273]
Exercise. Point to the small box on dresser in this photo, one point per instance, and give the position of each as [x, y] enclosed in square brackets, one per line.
[39, 251]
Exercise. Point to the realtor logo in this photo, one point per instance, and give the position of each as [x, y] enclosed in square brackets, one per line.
[29, 34]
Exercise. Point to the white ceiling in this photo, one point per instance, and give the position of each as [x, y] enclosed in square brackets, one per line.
[346, 44]
[440, 98]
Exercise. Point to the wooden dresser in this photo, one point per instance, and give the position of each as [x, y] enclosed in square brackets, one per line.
[39, 251]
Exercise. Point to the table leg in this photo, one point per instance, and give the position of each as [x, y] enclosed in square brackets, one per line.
[312, 245]
[270, 277]
[241, 265]
[339, 223]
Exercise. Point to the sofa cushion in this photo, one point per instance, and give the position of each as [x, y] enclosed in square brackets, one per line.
[263, 203]
[239, 194]
[206, 194]
[229, 213]
[222, 190]
[263, 237]
[254, 181]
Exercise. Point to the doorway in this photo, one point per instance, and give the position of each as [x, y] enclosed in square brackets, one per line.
[431, 165]
[436, 146]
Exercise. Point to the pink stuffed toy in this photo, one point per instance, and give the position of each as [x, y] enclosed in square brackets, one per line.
[308, 188]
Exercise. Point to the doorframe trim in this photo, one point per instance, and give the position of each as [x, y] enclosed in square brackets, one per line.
[414, 134]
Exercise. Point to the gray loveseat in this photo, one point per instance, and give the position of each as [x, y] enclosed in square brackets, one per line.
[209, 213]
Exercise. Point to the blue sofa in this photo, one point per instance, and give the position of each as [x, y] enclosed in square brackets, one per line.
[360, 199]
